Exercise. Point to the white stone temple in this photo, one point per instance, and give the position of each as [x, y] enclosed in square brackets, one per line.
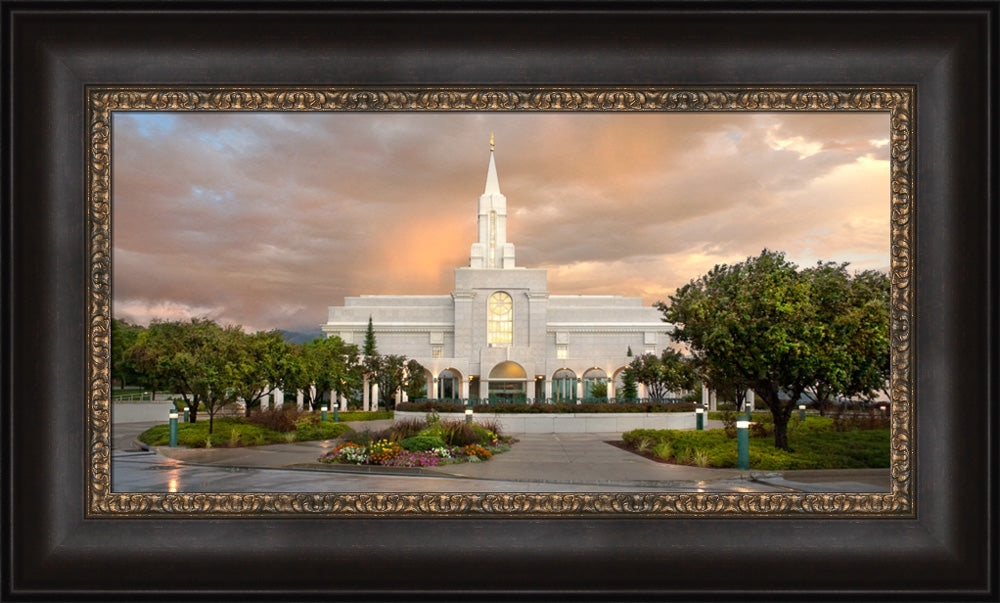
[500, 334]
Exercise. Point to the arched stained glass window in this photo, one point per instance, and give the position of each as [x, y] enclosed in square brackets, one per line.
[500, 319]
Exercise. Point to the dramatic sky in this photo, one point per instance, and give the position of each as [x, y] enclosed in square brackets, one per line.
[265, 220]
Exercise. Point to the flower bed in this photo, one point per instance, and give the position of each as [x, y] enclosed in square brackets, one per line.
[421, 443]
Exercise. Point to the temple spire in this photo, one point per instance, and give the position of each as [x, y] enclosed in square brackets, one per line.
[492, 182]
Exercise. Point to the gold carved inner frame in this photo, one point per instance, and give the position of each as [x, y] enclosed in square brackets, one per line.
[898, 102]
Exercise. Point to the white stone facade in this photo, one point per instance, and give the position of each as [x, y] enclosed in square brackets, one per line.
[524, 348]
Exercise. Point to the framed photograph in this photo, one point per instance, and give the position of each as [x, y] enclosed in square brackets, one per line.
[77, 100]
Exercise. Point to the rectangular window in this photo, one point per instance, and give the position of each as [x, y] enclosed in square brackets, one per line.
[435, 351]
[562, 351]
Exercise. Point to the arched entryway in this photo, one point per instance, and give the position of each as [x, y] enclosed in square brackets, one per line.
[595, 385]
[508, 382]
[564, 386]
[449, 384]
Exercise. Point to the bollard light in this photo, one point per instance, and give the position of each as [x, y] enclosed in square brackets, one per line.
[699, 413]
[336, 418]
[468, 415]
[746, 407]
[802, 412]
[173, 428]
[742, 445]
[322, 410]
[186, 415]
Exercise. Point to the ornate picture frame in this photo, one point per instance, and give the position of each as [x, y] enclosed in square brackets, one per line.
[897, 102]
[61, 544]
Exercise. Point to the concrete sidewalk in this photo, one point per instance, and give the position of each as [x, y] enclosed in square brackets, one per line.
[563, 458]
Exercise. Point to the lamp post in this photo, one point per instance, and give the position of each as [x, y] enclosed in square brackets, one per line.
[186, 411]
[699, 413]
[173, 428]
[802, 412]
[742, 444]
[322, 411]
[468, 415]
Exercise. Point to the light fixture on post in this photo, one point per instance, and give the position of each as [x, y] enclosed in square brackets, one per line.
[468, 415]
[173, 427]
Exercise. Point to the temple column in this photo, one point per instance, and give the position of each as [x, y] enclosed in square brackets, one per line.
[365, 394]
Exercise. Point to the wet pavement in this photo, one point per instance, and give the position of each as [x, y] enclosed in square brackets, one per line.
[572, 462]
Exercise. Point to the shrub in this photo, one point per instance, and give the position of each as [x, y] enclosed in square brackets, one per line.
[422, 442]
[663, 450]
[407, 428]
[321, 431]
[276, 420]
[436, 405]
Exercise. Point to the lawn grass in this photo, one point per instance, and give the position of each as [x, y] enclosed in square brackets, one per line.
[813, 444]
[235, 432]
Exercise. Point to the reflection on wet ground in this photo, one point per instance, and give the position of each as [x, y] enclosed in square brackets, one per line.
[150, 472]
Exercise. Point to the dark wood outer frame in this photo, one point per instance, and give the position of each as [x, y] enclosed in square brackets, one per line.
[52, 551]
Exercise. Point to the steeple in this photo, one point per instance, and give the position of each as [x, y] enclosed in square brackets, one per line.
[492, 182]
[492, 251]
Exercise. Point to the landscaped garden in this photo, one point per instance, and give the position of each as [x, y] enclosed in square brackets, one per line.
[842, 442]
[426, 442]
[263, 427]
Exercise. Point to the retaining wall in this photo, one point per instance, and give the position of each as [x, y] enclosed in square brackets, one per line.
[140, 412]
[611, 422]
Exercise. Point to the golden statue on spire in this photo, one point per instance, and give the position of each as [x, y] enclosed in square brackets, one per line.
[491, 142]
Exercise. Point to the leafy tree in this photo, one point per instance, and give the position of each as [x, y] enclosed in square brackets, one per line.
[263, 359]
[219, 357]
[415, 384]
[724, 381]
[320, 367]
[757, 321]
[853, 359]
[662, 374]
[124, 335]
[195, 359]
[764, 324]
[164, 355]
[390, 375]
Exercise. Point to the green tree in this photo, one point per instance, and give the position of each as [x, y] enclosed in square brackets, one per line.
[370, 348]
[196, 359]
[218, 357]
[263, 358]
[663, 374]
[415, 384]
[124, 335]
[630, 386]
[165, 355]
[390, 376]
[599, 390]
[757, 320]
[325, 365]
[853, 357]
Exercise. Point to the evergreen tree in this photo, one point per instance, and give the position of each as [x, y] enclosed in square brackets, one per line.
[370, 349]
